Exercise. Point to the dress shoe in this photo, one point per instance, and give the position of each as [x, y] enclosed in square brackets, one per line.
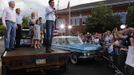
[13, 49]
[7, 49]
[51, 50]
[47, 51]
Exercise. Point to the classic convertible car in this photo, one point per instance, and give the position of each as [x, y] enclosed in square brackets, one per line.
[77, 48]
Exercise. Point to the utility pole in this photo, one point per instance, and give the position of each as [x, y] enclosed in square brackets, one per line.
[69, 13]
[58, 5]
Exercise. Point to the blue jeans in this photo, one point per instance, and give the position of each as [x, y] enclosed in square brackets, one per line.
[10, 34]
[49, 33]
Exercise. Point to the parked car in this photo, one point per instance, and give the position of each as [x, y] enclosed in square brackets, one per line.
[78, 49]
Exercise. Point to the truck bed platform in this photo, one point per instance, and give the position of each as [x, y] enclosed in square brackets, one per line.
[30, 51]
[29, 58]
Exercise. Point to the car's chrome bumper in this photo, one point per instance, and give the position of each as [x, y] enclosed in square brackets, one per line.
[87, 56]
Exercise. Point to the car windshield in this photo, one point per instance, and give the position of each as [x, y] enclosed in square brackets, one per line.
[66, 41]
[74, 41]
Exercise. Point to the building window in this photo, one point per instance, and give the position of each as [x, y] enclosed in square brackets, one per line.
[75, 21]
[122, 16]
[84, 19]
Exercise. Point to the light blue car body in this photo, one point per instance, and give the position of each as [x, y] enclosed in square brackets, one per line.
[79, 46]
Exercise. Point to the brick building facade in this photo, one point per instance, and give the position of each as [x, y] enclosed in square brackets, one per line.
[80, 13]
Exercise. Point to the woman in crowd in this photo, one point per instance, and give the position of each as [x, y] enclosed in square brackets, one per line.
[31, 24]
[121, 49]
[129, 69]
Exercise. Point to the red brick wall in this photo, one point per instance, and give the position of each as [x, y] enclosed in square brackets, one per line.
[80, 27]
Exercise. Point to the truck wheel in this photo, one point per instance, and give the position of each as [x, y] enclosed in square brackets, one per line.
[74, 58]
[5, 70]
[98, 58]
[64, 68]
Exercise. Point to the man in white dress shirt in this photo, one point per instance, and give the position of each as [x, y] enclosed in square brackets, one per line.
[19, 27]
[9, 22]
[50, 22]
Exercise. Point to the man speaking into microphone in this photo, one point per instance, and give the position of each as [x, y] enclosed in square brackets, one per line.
[50, 23]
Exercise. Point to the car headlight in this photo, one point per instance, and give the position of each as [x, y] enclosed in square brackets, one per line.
[88, 54]
[85, 54]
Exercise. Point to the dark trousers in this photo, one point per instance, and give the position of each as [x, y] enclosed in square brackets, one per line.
[49, 33]
[129, 70]
[119, 60]
[18, 35]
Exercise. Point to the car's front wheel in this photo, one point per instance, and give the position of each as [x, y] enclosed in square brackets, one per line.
[74, 58]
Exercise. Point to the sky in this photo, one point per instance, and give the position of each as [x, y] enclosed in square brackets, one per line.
[28, 6]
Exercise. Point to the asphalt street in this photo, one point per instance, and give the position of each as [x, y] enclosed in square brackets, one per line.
[1, 46]
[86, 67]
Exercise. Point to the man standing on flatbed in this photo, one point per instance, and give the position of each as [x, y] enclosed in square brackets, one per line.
[50, 22]
[19, 27]
[9, 22]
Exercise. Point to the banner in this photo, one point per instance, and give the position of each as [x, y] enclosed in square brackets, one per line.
[130, 56]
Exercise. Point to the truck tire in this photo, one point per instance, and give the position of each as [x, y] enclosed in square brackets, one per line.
[98, 58]
[64, 68]
[5, 70]
[74, 58]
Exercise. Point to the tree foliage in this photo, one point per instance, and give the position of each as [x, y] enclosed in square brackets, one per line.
[130, 16]
[25, 22]
[1, 28]
[102, 19]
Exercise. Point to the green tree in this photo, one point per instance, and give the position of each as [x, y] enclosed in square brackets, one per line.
[1, 28]
[102, 19]
[130, 16]
[25, 22]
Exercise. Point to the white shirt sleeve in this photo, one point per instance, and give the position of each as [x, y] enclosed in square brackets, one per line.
[45, 13]
[3, 17]
[48, 11]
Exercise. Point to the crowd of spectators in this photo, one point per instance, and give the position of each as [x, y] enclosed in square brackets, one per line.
[116, 45]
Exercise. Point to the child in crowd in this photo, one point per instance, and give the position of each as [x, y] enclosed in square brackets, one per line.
[37, 34]
[42, 30]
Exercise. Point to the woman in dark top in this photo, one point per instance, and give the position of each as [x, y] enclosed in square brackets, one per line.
[130, 69]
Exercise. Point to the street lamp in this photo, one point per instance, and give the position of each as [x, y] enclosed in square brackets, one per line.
[69, 27]
[123, 26]
[62, 26]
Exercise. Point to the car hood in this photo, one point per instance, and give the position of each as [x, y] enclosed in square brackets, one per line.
[85, 47]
